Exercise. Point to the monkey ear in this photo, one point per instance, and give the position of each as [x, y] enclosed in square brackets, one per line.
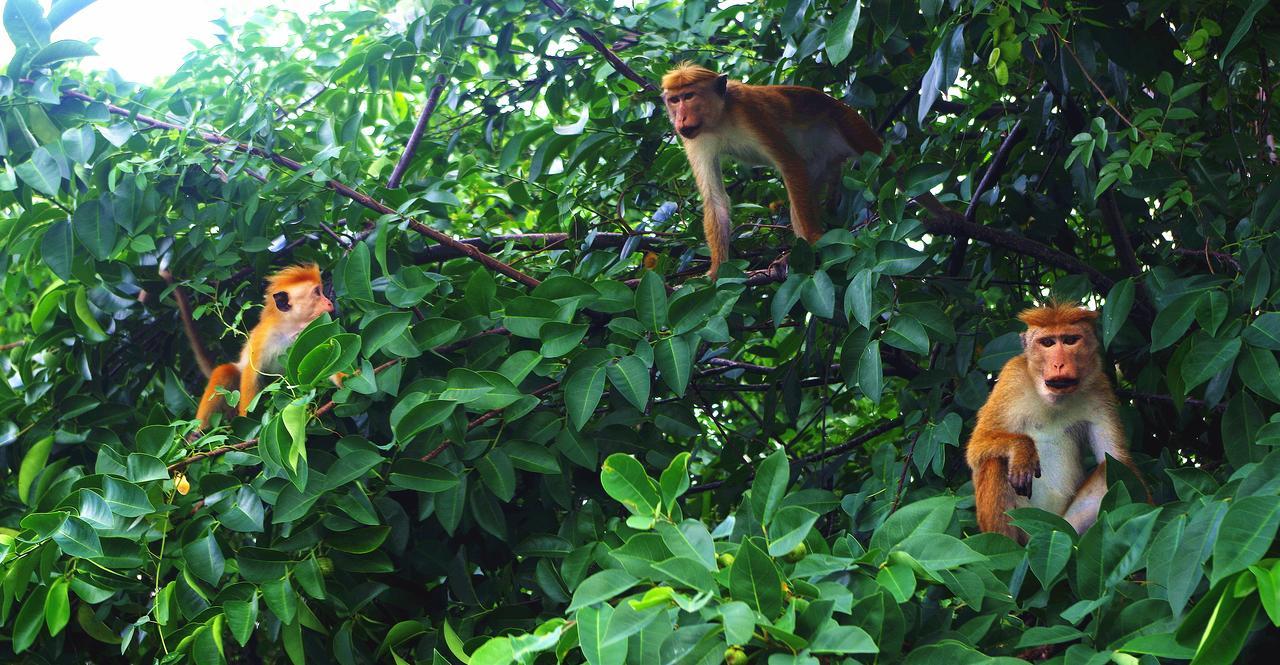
[722, 84]
[282, 300]
[1026, 339]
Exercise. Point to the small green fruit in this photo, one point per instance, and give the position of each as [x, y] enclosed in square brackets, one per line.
[797, 553]
[735, 656]
[725, 560]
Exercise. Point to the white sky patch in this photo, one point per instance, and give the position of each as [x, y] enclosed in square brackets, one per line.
[146, 40]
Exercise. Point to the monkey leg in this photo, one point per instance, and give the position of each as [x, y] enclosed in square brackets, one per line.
[227, 377]
[1083, 511]
[716, 231]
[994, 496]
[248, 388]
[804, 212]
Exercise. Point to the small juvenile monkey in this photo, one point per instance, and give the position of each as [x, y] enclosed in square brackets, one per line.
[1025, 448]
[802, 132]
[294, 298]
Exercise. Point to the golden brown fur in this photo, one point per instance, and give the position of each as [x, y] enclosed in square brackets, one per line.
[1025, 447]
[294, 297]
[802, 132]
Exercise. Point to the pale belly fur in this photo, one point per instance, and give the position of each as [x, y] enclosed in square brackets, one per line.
[1058, 444]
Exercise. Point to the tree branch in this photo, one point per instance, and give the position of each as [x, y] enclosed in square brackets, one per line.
[858, 439]
[531, 241]
[345, 190]
[995, 169]
[397, 174]
[595, 42]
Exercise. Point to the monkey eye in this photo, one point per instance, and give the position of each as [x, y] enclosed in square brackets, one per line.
[317, 290]
[1046, 342]
[1070, 339]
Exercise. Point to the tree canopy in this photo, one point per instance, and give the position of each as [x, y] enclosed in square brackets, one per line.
[558, 441]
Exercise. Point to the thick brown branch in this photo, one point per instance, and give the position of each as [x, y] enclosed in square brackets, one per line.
[595, 42]
[1119, 236]
[397, 174]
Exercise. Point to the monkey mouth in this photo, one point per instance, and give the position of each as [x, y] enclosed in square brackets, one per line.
[690, 132]
[1062, 384]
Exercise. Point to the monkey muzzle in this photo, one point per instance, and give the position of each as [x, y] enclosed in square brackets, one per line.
[690, 131]
[1062, 384]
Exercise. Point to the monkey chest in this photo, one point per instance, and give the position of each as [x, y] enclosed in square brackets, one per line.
[1061, 464]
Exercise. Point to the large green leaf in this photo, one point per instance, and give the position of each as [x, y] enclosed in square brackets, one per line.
[754, 580]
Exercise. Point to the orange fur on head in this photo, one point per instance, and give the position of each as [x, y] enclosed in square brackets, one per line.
[1056, 314]
[686, 73]
[307, 273]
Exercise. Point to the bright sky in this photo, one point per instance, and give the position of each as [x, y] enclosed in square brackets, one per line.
[145, 40]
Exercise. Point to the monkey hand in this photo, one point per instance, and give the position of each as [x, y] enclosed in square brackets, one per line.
[1024, 464]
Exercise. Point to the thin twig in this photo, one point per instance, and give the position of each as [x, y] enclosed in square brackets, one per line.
[484, 418]
[994, 170]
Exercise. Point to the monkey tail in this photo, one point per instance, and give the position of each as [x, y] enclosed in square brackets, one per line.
[226, 376]
[994, 495]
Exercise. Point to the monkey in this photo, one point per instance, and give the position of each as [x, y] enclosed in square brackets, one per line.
[802, 132]
[294, 298]
[1047, 402]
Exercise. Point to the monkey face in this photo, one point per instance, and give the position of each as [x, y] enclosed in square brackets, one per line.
[696, 107]
[302, 302]
[1060, 358]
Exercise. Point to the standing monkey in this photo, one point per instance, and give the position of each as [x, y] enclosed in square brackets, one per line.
[1025, 448]
[802, 132]
[294, 298]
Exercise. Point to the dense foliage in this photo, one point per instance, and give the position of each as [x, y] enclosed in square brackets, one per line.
[578, 449]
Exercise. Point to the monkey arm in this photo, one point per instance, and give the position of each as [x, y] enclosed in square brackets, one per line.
[716, 223]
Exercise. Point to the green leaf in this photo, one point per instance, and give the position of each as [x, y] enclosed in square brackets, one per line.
[1208, 357]
[834, 638]
[1246, 533]
[41, 172]
[384, 328]
[938, 551]
[57, 249]
[1038, 635]
[651, 301]
[870, 372]
[498, 474]
[421, 476]
[770, 484]
[77, 538]
[630, 377]
[601, 587]
[242, 616]
[674, 358]
[582, 392]
[1242, 28]
[931, 515]
[1260, 372]
[624, 479]
[25, 22]
[30, 619]
[204, 559]
[33, 463]
[560, 338]
[1173, 321]
[1048, 555]
[788, 529]
[674, 481]
[739, 621]
[819, 295]
[143, 467]
[57, 606]
[593, 625]
[899, 580]
[1116, 311]
[907, 334]
[840, 32]
[1264, 332]
[125, 498]
[858, 298]
[754, 580]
